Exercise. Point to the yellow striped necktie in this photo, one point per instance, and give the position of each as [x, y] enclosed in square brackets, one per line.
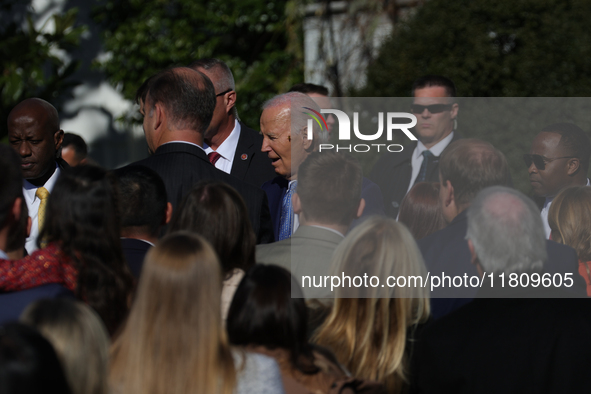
[43, 195]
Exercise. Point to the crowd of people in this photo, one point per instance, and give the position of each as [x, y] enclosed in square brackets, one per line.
[228, 260]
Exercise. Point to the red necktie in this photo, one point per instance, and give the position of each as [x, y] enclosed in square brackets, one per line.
[214, 157]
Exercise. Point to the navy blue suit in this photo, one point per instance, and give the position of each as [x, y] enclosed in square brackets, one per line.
[277, 187]
[182, 166]
[446, 251]
[14, 303]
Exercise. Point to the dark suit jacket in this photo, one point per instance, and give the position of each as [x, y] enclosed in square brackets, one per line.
[14, 303]
[250, 164]
[183, 165]
[277, 187]
[392, 173]
[134, 251]
[511, 345]
[446, 251]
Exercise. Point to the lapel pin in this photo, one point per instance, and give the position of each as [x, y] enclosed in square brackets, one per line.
[244, 156]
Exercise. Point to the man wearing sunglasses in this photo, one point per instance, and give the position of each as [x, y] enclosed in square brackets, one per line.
[558, 158]
[230, 145]
[436, 111]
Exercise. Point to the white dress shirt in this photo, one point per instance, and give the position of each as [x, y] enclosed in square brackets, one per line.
[33, 203]
[227, 149]
[417, 156]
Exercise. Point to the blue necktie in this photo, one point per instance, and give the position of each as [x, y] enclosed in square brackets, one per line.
[427, 155]
[286, 222]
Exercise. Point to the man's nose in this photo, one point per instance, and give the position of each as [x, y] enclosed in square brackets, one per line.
[532, 169]
[426, 113]
[24, 149]
[265, 146]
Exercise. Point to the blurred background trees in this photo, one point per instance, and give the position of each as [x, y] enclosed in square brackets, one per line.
[258, 39]
[34, 62]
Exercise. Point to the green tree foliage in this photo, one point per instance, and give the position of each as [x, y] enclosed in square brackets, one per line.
[29, 61]
[504, 48]
[252, 36]
[499, 48]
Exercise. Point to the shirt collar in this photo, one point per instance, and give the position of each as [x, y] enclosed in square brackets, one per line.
[183, 142]
[436, 149]
[29, 189]
[228, 147]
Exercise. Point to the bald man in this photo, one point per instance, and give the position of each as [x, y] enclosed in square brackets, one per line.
[34, 133]
[230, 145]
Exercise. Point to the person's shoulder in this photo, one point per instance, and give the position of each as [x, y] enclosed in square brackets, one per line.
[257, 373]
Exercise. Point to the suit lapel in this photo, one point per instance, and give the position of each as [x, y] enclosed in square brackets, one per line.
[244, 154]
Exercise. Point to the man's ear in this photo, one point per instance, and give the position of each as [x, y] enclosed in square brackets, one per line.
[573, 165]
[296, 203]
[449, 196]
[168, 214]
[307, 144]
[230, 101]
[360, 208]
[58, 139]
[454, 110]
[158, 118]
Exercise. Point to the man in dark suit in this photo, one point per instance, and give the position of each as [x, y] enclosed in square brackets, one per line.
[497, 344]
[230, 145]
[34, 133]
[436, 111]
[285, 141]
[177, 105]
[11, 224]
[143, 211]
[466, 167]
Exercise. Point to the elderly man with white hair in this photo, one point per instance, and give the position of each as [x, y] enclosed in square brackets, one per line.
[284, 125]
[507, 345]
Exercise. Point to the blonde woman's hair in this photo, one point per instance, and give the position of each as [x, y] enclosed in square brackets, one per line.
[173, 341]
[368, 335]
[79, 338]
[570, 220]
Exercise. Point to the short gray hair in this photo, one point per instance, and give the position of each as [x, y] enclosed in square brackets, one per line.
[299, 119]
[507, 232]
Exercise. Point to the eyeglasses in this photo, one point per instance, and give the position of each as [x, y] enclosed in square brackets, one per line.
[433, 109]
[540, 161]
[224, 92]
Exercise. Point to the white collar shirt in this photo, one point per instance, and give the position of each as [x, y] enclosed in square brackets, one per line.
[33, 202]
[227, 150]
[417, 156]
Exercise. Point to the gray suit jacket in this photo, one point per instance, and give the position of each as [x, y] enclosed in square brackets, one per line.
[307, 253]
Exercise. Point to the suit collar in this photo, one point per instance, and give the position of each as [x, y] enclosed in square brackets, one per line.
[181, 147]
[317, 233]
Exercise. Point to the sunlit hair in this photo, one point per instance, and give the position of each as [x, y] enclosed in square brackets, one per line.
[79, 339]
[368, 335]
[82, 218]
[296, 103]
[420, 210]
[173, 341]
[217, 212]
[570, 220]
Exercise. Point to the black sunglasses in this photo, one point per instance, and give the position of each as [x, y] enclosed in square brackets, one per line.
[540, 161]
[434, 108]
[224, 92]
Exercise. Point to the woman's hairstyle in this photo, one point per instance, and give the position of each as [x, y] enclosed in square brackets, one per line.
[570, 220]
[79, 338]
[82, 218]
[28, 363]
[368, 335]
[218, 213]
[264, 313]
[420, 210]
[173, 341]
